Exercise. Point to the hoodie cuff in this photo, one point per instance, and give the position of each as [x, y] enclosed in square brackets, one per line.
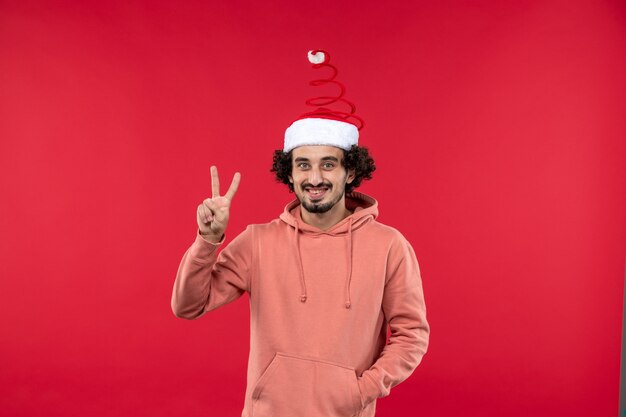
[369, 389]
[202, 249]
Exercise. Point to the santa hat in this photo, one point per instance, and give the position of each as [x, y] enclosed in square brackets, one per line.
[324, 126]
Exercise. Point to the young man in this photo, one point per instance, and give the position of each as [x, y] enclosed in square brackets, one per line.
[325, 280]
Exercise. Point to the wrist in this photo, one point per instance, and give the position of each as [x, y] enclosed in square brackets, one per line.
[211, 237]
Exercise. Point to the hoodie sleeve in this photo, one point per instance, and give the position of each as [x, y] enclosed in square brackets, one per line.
[405, 311]
[206, 281]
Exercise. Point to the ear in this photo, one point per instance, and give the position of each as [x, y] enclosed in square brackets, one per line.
[351, 176]
[290, 179]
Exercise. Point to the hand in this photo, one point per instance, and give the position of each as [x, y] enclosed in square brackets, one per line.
[212, 214]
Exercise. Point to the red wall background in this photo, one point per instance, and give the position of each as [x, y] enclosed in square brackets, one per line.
[499, 133]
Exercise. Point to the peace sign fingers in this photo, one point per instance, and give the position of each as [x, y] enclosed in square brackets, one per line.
[213, 213]
[234, 185]
[215, 182]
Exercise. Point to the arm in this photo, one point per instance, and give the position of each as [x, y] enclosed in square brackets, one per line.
[405, 311]
[206, 281]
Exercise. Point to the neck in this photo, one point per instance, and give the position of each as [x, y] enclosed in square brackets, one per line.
[325, 221]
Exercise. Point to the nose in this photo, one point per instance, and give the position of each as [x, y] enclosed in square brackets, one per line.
[315, 176]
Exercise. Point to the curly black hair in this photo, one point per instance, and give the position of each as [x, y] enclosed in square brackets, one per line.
[357, 158]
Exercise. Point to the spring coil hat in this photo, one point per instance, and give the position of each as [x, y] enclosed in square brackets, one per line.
[325, 126]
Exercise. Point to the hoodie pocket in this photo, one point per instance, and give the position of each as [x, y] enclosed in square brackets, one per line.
[294, 386]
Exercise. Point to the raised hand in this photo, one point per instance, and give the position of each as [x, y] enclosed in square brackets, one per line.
[213, 213]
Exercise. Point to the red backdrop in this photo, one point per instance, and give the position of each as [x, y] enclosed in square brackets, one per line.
[499, 133]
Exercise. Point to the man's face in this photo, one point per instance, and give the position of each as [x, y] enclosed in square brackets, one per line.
[318, 177]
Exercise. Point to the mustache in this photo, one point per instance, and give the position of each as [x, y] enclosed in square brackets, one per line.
[309, 185]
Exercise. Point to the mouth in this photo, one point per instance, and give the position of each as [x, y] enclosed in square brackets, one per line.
[316, 193]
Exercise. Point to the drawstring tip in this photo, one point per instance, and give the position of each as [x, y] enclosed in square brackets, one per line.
[348, 305]
[303, 298]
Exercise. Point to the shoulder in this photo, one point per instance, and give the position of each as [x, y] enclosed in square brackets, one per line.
[386, 232]
[253, 234]
[398, 247]
[264, 229]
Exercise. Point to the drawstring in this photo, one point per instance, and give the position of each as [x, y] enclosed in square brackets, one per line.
[303, 296]
[302, 283]
[349, 251]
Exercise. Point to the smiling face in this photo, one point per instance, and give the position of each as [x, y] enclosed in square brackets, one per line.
[319, 178]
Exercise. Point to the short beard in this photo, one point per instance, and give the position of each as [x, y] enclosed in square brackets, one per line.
[321, 208]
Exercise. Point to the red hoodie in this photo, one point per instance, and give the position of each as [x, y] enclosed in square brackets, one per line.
[320, 303]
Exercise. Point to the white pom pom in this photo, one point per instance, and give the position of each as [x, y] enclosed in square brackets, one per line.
[317, 58]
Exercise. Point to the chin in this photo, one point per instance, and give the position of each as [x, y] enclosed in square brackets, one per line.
[317, 207]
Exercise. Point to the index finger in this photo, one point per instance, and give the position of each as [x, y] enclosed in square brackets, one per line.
[215, 182]
[233, 186]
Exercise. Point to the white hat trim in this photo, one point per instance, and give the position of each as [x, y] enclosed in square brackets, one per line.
[316, 131]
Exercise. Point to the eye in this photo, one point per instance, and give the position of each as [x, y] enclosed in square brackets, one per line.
[302, 165]
[328, 165]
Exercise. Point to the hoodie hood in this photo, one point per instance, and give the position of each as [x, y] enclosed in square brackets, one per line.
[364, 210]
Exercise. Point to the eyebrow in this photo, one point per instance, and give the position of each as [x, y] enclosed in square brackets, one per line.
[326, 158]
